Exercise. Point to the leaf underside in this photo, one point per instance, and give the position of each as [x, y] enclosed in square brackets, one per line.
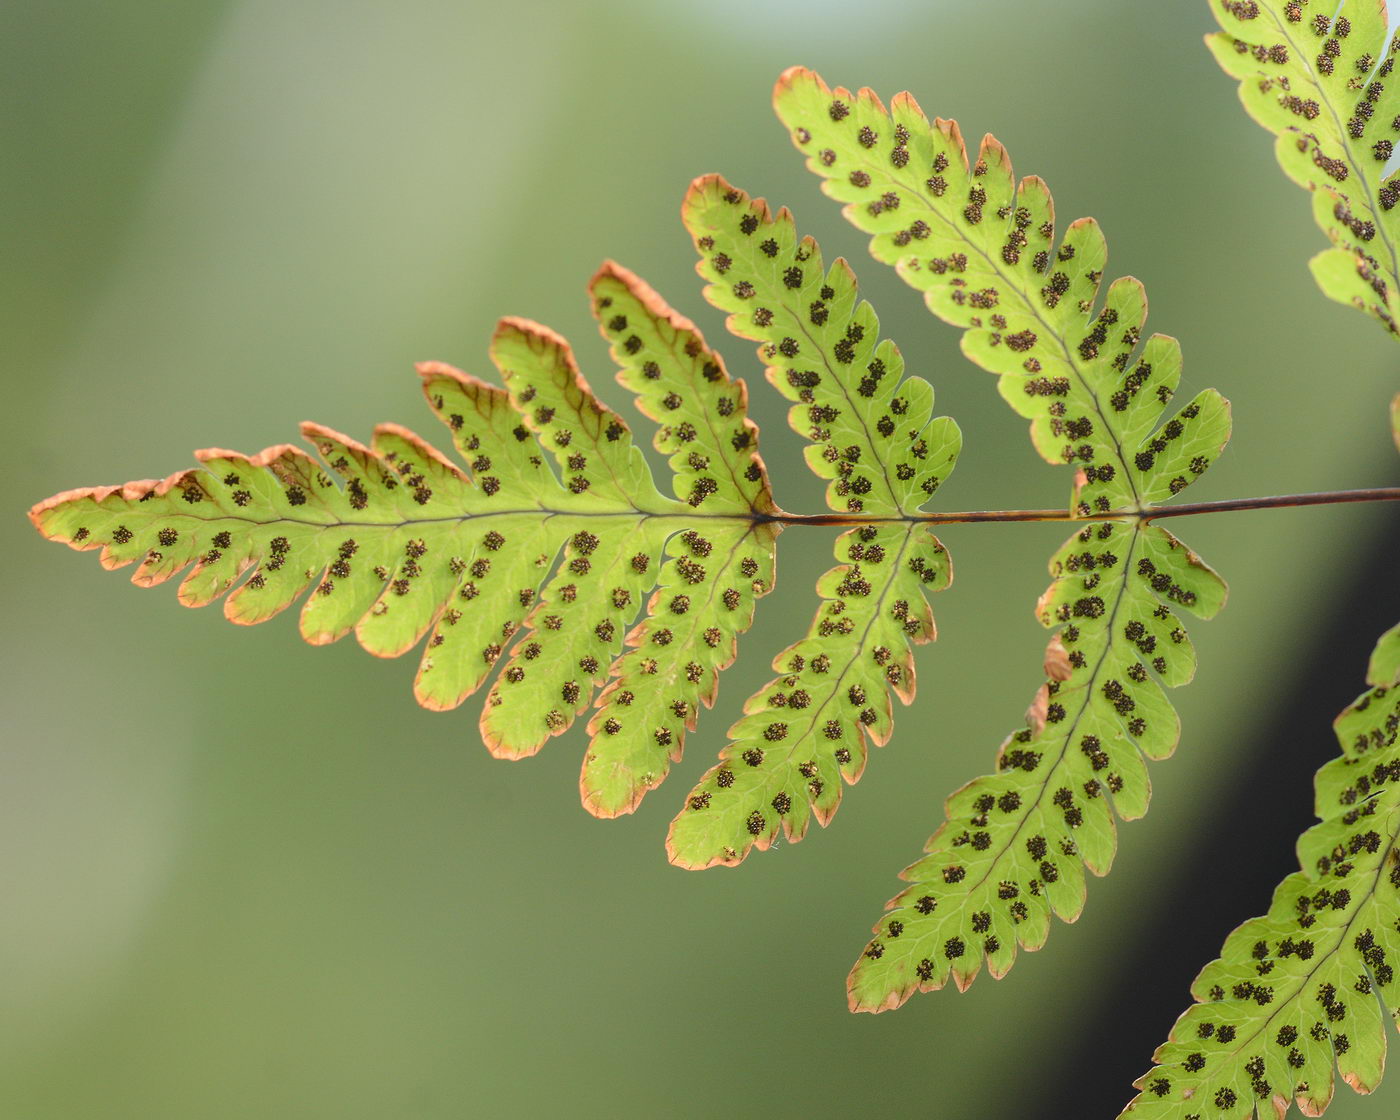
[581, 586]
[1073, 360]
[1321, 80]
[1303, 993]
[872, 435]
[500, 561]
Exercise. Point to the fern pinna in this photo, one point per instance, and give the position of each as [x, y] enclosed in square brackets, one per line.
[982, 248]
[539, 574]
[1303, 993]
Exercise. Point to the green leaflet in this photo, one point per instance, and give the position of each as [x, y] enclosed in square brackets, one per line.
[982, 249]
[681, 384]
[555, 667]
[873, 437]
[1385, 659]
[870, 427]
[1321, 81]
[1015, 844]
[705, 598]
[409, 545]
[806, 731]
[1295, 992]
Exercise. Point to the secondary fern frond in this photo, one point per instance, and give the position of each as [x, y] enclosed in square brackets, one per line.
[413, 545]
[982, 249]
[1322, 82]
[1305, 989]
[873, 437]
[409, 544]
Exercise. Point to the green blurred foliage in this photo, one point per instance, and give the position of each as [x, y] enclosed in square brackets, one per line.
[245, 877]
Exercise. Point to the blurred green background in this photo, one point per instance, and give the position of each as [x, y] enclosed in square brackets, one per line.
[244, 877]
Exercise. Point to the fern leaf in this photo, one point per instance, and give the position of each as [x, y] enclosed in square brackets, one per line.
[871, 429]
[682, 385]
[1321, 82]
[982, 249]
[710, 582]
[1015, 843]
[1294, 994]
[874, 439]
[805, 731]
[408, 544]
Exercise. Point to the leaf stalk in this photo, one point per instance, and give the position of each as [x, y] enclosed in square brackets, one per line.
[1186, 509]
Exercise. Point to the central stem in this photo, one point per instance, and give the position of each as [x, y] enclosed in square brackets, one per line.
[1281, 501]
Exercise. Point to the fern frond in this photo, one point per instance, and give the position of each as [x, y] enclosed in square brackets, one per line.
[1305, 989]
[409, 544]
[1322, 82]
[982, 249]
[873, 437]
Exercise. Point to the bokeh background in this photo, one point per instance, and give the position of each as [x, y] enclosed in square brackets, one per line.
[244, 877]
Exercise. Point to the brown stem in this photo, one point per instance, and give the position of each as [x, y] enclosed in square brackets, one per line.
[1280, 501]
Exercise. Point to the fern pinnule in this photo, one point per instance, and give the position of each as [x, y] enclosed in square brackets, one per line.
[554, 667]
[982, 249]
[682, 385]
[1321, 80]
[713, 574]
[870, 428]
[805, 732]
[1385, 658]
[1306, 989]
[873, 437]
[1015, 843]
